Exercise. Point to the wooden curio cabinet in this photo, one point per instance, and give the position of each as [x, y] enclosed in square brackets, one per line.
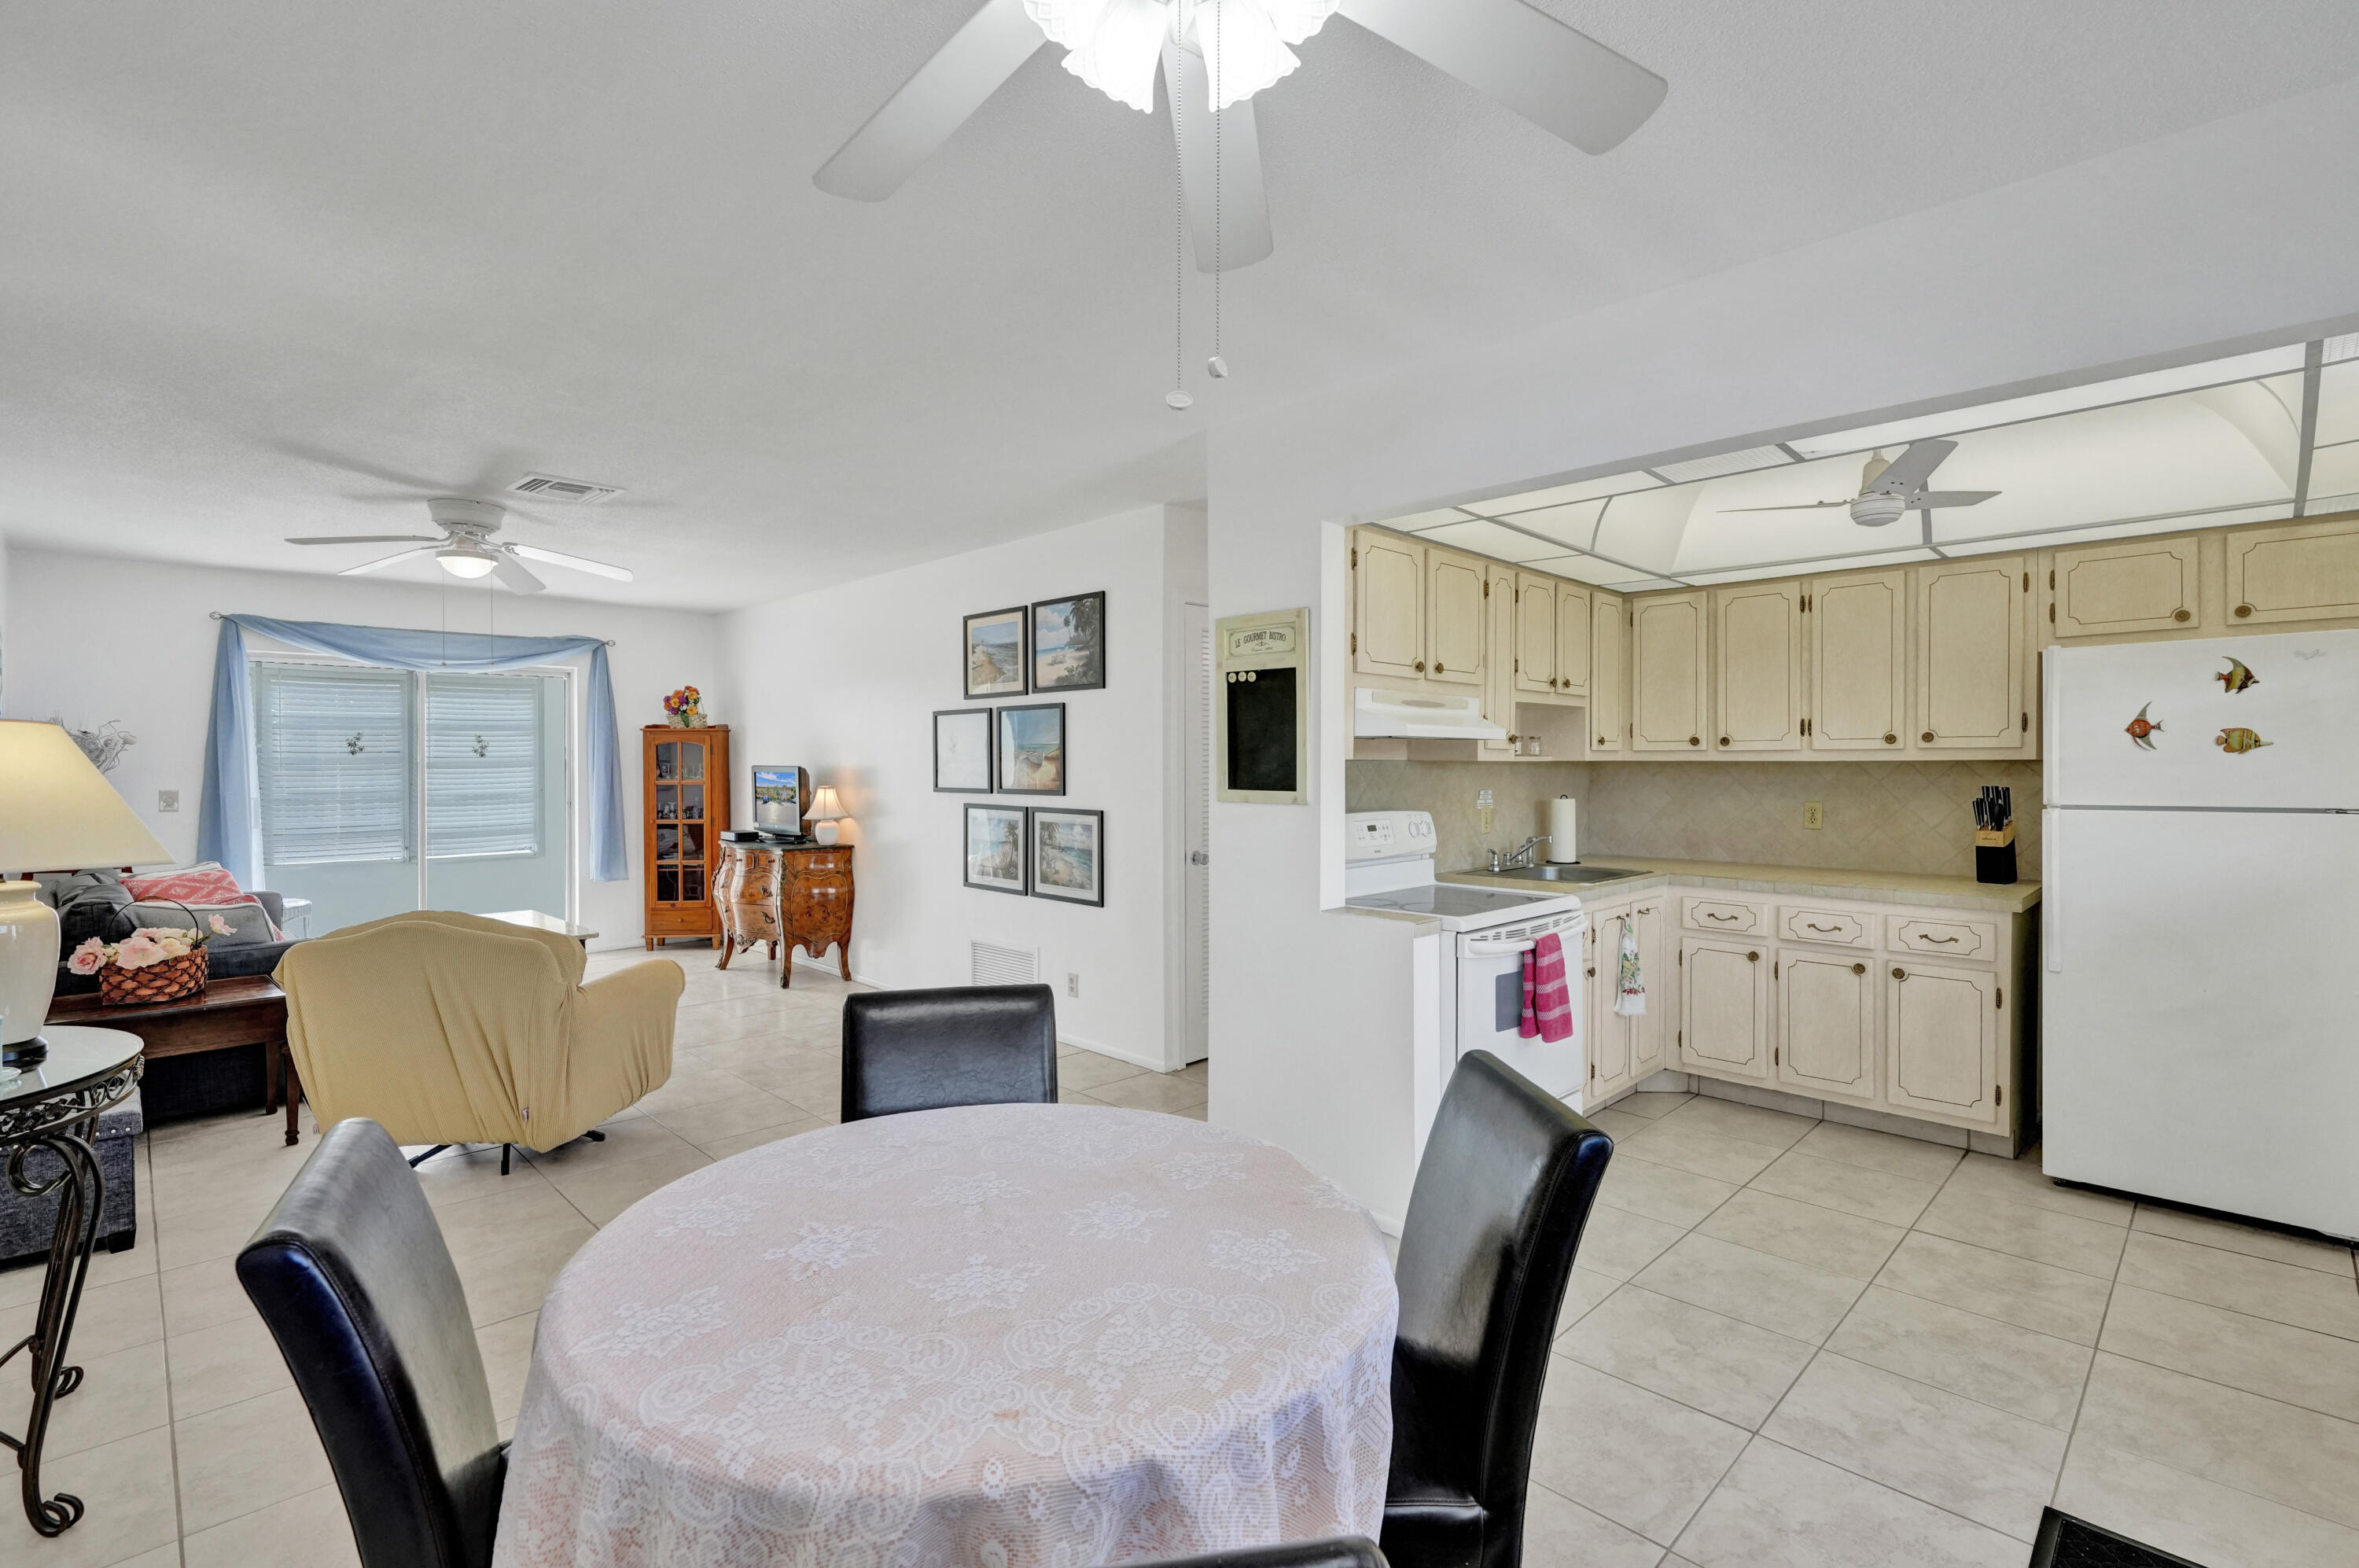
[684, 804]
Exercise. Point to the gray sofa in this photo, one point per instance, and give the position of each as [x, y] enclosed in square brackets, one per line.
[27, 1224]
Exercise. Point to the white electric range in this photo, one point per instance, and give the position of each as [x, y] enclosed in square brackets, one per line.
[1485, 931]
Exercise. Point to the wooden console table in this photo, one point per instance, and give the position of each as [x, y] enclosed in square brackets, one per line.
[247, 1010]
[799, 895]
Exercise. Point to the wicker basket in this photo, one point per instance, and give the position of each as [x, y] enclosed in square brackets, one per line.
[166, 982]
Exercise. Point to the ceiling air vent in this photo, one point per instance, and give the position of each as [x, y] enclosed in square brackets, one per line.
[992, 964]
[2341, 348]
[1720, 464]
[548, 487]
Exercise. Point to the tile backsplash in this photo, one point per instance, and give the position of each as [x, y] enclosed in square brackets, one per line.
[1879, 816]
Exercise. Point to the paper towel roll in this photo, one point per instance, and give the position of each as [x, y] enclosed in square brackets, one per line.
[1562, 842]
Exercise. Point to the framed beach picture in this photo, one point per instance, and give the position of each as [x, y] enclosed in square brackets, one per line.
[994, 653]
[995, 847]
[963, 751]
[1032, 749]
[1069, 856]
[1068, 644]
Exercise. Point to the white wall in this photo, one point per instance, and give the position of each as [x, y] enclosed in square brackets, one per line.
[844, 681]
[88, 638]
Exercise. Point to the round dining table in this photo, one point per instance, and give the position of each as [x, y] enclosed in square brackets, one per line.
[994, 1336]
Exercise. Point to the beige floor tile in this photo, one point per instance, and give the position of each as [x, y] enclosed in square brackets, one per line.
[816, 1088]
[1703, 1153]
[1849, 1189]
[456, 1175]
[247, 1456]
[1644, 1462]
[1584, 1289]
[1805, 1232]
[1152, 1091]
[203, 1294]
[722, 1147]
[2033, 1375]
[2307, 1252]
[1781, 1508]
[635, 1139]
[249, 1189]
[1887, 1153]
[2194, 1517]
[1087, 1070]
[312, 1530]
[749, 1110]
[1991, 1467]
[162, 1557]
[2063, 1241]
[110, 1318]
[1561, 1533]
[223, 1364]
[602, 1195]
[506, 1349]
[111, 1268]
[1758, 1288]
[1066, 1096]
[1194, 1112]
[2274, 1450]
[1617, 1125]
[1715, 1364]
[1618, 1242]
[2257, 1287]
[2300, 1365]
[699, 1086]
[1661, 1192]
[1747, 1124]
[1651, 1103]
[2022, 1181]
[1999, 1285]
[220, 1234]
[124, 1392]
[126, 1492]
[510, 1247]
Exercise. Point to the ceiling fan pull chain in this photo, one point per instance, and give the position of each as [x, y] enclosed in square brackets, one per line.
[1216, 364]
[1177, 399]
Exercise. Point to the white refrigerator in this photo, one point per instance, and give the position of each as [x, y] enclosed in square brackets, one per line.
[2199, 856]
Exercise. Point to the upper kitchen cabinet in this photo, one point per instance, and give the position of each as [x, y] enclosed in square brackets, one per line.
[1666, 673]
[1456, 627]
[1535, 640]
[1859, 662]
[1607, 624]
[1499, 663]
[1757, 672]
[1970, 655]
[1572, 639]
[1387, 605]
[2132, 585]
[2305, 571]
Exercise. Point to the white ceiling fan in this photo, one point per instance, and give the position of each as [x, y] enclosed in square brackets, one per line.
[1887, 488]
[465, 547]
[1215, 54]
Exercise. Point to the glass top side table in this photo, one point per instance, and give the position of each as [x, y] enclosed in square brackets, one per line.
[54, 1105]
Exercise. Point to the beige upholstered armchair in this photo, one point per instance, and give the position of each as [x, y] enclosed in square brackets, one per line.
[451, 1028]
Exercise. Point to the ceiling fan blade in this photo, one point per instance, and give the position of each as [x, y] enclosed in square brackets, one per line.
[1910, 471]
[1954, 497]
[1561, 80]
[915, 120]
[578, 563]
[510, 571]
[372, 539]
[382, 561]
[1243, 207]
[1796, 506]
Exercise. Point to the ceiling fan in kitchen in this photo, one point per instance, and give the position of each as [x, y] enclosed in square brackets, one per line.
[465, 547]
[1213, 55]
[1887, 488]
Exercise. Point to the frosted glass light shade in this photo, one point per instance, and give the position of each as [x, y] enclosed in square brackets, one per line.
[465, 562]
[1116, 46]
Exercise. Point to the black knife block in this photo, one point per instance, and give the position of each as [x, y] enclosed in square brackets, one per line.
[1995, 854]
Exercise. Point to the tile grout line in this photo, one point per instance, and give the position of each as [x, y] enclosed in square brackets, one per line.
[171, 1399]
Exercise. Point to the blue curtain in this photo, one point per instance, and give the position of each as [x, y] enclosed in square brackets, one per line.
[228, 825]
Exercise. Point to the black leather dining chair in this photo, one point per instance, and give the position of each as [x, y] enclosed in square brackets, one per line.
[962, 1045]
[1495, 1218]
[1342, 1551]
[351, 1274]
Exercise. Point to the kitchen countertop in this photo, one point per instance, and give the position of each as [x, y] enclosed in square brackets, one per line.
[1793, 881]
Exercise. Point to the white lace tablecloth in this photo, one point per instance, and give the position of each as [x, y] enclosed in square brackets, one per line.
[1002, 1336]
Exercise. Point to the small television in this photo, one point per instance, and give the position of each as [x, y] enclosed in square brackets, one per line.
[781, 796]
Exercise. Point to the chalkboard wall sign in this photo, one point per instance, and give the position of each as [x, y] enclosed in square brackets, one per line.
[1261, 709]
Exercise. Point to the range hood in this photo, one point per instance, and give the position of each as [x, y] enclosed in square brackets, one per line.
[1421, 716]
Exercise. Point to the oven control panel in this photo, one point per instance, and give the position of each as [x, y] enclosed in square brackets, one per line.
[1387, 835]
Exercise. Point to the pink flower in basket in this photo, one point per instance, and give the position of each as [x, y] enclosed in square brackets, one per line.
[89, 958]
[220, 926]
[137, 951]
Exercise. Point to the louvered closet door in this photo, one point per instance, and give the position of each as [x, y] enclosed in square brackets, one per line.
[1196, 988]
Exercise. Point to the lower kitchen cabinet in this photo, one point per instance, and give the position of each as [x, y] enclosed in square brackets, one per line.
[1826, 1024]
[1624, 1050]
[1941, 1034]
[1724, 1009]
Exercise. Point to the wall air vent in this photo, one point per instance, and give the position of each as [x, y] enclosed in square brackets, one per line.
[992, 964]
[1725, 463]
[548, 487]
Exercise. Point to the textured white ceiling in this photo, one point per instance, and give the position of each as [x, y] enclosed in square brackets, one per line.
[270, 268]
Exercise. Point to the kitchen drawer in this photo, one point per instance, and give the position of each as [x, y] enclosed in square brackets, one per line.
[1836, 928]
[1722, 915]
[1973, 939]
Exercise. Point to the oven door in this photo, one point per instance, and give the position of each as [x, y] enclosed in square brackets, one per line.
[1489, 1011]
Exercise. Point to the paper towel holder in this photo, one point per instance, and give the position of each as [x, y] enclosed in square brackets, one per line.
[1563, 844]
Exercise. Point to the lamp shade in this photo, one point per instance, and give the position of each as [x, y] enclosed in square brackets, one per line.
[824, 806]
[58, 812]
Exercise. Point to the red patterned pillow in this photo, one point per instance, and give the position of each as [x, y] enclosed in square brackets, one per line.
[205, 888]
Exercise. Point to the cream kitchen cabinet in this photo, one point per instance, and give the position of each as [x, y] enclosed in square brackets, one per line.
[2304, 572]
[1757, 667]
[1826, 1024]
[1499, 665]
[1572, 639]
[1859, 662]
[1536, 634]
[1668, 636]
[1625, 1051]
[2131, 585]
[1724, 1008]
[1608, 624]
[1387, 605]
[1970, 653]
[1455, 625]
[1941, 1040]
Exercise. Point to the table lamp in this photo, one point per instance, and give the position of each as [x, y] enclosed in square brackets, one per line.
[58, 812]
[826, 810]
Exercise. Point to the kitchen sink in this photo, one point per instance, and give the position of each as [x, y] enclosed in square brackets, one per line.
[1565, 874]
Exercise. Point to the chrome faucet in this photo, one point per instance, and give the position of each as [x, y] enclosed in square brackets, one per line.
[1516, 859]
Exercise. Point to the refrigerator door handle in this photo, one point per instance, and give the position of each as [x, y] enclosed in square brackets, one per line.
[2051, 923]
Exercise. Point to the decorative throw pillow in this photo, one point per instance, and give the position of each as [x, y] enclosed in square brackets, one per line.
[89, 904]
[207, 889]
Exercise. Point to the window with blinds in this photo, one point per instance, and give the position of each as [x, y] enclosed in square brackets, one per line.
[483, 765]
[333, 751]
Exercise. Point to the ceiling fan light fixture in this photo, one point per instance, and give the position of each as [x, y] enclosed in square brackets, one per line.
[1116, 46]
[459, 561]
[1877, 510]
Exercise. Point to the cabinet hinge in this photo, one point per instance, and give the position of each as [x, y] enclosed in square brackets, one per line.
[2026, 581]
[1777, 1057]
[1773, 972]
[1355, 558]
[1999, 998]
[1681, 1037]
[1520, 668]
[1486, 590]
[1356, 642]
[1998, 1093]
[2051, 612]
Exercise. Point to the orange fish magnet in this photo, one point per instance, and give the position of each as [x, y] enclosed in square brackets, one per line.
[2137, 729]
[2236, 677]
[2239, 740]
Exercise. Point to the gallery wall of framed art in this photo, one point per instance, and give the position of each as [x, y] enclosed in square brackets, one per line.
[1021, 748]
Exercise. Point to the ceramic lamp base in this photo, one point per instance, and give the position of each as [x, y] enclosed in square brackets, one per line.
[824, 833]
[28, 971]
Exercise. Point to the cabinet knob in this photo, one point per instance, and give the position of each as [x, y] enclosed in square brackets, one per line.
[1752, 958]
[1890, 739]
[1419, 667]
[1600, 740]
[2243, 610]
[1899, 973]
[2181, 615]
[1859, 968]
[1440, 667]
[1723, 740]
[1514, 739]
[1694, 741]
[1927, 737]
[1591, 971]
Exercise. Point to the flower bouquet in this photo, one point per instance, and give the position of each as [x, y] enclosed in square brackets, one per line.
[154, 963]
[685, 708]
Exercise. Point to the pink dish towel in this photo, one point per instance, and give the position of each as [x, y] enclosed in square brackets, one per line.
[1548, 999]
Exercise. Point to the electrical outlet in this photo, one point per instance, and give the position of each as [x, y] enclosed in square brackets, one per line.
[168, 799]
[1814, 815]
[1072, 983]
